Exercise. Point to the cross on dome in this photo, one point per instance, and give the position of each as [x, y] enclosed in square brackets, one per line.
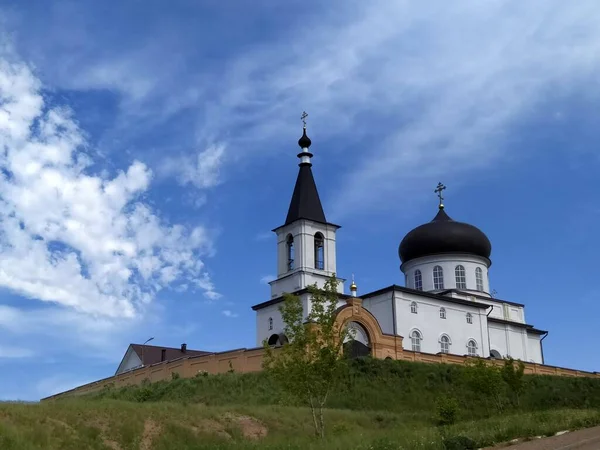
[438, 190]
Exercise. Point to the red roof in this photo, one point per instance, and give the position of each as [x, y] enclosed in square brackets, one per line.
[153, 354]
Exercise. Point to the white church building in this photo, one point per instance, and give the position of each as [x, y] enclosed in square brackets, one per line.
[445, 304]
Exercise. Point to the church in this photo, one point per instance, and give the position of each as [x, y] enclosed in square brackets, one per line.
[445, 305]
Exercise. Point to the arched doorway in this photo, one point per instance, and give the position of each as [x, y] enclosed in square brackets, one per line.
[358, 344]
[277, 340]
[495, 354]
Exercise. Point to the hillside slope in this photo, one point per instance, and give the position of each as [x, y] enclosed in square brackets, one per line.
[381, 405]
[119, 425]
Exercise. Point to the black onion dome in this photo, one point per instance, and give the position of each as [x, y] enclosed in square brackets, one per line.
[444, 235]
[304, 141]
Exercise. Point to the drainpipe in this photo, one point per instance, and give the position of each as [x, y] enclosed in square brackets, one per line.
[542, 346]
[394, 321]
[488, 331]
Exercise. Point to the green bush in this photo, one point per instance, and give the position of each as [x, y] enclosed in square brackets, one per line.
[447, 410]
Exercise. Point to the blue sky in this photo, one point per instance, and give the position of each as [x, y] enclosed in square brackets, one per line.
[149, 149]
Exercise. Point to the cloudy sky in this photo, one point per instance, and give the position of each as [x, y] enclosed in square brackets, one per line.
[148, 148]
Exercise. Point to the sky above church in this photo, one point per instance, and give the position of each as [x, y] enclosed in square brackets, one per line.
[150, 147]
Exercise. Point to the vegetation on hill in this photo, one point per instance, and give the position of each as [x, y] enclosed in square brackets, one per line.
[379, 405]
[77, 424]
[384, 385]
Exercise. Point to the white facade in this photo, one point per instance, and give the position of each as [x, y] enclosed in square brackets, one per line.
[432, 318]
[474, 268]
[306, 267]
[453, 318]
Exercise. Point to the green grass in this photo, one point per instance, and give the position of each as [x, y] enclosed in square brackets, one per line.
[380, 405]
[80, 424]
[377, 385]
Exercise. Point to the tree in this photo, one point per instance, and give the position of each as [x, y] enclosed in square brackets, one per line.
[513, 377]
[310, 365]
[486, 381]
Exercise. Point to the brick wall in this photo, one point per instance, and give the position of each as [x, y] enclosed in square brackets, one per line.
[250, 360]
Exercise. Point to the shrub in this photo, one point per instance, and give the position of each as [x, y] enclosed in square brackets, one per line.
[447, 410]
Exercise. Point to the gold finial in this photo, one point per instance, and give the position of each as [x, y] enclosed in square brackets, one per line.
[353, 285]
[438, 191]
[303, 118]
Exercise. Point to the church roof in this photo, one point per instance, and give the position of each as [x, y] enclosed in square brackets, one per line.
[444, 235]
[393, 287]
[305, 203]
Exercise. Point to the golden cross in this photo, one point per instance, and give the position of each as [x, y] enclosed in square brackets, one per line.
[438, 191]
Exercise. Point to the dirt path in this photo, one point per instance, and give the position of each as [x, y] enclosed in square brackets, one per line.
[588, 439]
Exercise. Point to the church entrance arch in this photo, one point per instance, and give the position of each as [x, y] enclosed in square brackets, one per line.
[358, 344]
[277, 340]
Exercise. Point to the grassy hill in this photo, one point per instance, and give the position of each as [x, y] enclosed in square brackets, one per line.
[381, 405]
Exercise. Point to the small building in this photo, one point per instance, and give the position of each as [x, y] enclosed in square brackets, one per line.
[140, 355]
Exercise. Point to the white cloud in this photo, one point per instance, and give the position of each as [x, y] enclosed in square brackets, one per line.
[228, 313]
[74, 238]
[267, 279]
[427, 89]
[430, 89]
[201, 170]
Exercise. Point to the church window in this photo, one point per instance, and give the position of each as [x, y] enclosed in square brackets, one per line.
[415, 339]
[418, 280]
[413, 307]
[270, 323]
[479, 279]
[319, 252]
[469, 318]
[461, 278]
[495, 354]
[442, 313]
[445, 344]
[472, 348]
[290, 252]
[438, 278]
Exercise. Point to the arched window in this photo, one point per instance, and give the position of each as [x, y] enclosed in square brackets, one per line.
[495, 354]
[479, 279]
[413, 307]
[418, 280]
[290, 252]
[319, 252]
[415, 339]
[445, 344]
[472, 347]
[461, 278]
[442, 313]
[438, 278]
[469, 318]
[270, 323]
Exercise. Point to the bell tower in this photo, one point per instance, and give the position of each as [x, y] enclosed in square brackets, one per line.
[306, 250]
